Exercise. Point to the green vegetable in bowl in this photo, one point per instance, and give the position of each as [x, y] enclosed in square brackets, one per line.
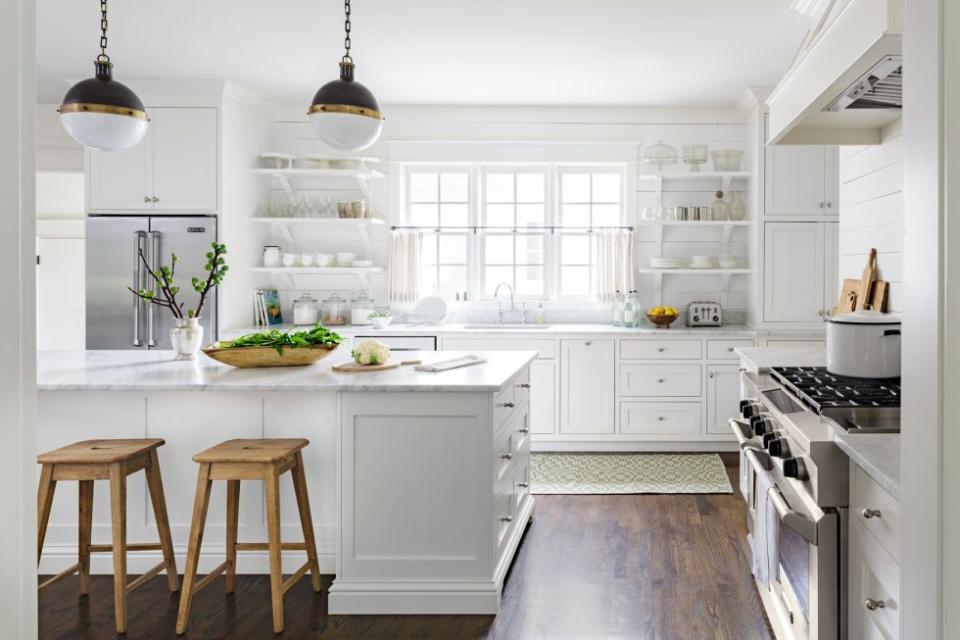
[380, 314]
[317, 336]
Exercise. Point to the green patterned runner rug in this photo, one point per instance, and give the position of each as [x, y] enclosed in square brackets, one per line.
[598, 473]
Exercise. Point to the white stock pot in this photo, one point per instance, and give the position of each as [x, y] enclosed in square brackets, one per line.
[864, 344]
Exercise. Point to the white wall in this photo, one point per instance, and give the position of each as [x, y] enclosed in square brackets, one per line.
[871, 212]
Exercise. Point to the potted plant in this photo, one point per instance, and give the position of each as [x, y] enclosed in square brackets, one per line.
[187, 334]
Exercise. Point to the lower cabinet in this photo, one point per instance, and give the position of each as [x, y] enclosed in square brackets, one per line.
[543, 396]
[723, 396]
[587, 386]
[660, 418]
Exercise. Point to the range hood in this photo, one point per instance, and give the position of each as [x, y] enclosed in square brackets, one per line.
[845, 87]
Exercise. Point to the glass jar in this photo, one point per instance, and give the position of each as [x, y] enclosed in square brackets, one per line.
[333, 310]
[271, 256]
[618, 304]
[738, 208]
[720, 209]
[305, 310]
[360, 309]
[631, 310]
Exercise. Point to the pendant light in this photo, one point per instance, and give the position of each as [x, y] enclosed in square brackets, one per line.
[100, 112]
[344, 113]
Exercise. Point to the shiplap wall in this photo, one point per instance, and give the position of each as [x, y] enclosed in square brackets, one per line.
[871, 212]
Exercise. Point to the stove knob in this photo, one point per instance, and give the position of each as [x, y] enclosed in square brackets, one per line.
[750, 409]
[795, 468]
[761, 425]
[778, 448]
[767, 437]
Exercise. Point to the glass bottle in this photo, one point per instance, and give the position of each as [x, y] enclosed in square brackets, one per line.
[630, 309]
[738, 208]
[618, 309]
[720, 209]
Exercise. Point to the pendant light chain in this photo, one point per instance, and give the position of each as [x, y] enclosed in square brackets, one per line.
[346, 28]
[103, 57]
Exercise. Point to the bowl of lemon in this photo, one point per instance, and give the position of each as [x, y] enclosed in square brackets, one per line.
[662, 317]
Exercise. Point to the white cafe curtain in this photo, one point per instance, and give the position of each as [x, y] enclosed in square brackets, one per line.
[614, 263]
[405, 266]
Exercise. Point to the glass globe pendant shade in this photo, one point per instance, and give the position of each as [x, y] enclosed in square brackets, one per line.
[102, 113]
[345, 114]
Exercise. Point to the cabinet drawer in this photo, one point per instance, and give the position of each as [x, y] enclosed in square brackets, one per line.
[503, 452]
[723, 349]
[875, 576]
[503, 511]
[660, 417]
[521, 386]
[660, 380]
[546, 349]
[868, 497]
[660, 349]
[503, 404]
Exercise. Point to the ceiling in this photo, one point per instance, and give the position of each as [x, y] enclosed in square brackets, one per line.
[535, 52]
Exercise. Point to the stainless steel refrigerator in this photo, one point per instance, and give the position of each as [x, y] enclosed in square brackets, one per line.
[117, 319]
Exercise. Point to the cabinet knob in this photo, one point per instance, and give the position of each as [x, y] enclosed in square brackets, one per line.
[661, 380]
[154, 199]
[820, 313]
[661, 349]
[507, 405]
[506, 519]
[661, 418]
[523, 484]
[829, 205]
[820, 204]
[710, 375]
[730, 349]
[870, 514]
[872, 604]
[524, 385]
[523, 430]
[146, 198]
[587, 343]
[507, 456]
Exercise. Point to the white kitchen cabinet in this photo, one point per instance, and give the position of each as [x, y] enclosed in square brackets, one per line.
[60, 293]
[173, 169]
[543, 396]
[799, 280]
[801, 180]
[723, 396]
[587, 386]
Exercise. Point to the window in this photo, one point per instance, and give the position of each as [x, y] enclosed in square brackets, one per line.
[441, 198]
[512, 200]
[527, 226]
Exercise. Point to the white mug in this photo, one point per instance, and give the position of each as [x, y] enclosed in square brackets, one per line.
[289, 259]
[306, 259]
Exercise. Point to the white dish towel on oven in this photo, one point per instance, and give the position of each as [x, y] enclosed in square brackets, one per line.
[766, 533]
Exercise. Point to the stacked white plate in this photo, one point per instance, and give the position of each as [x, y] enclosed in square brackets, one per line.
[666, 263]
[702, 262]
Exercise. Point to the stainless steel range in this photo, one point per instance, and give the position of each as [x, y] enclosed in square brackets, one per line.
[793, 472]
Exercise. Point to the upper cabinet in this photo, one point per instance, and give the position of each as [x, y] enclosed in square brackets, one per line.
[172, 170]
[800, 281]
[801, 180]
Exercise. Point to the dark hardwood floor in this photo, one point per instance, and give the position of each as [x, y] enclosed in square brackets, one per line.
[653, 567]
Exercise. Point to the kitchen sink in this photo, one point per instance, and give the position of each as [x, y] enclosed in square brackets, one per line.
[503, 326]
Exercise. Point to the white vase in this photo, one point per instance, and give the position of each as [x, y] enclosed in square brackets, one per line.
[738, 208]
[186, 337]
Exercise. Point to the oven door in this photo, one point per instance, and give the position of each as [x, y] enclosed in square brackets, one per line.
[809, 584]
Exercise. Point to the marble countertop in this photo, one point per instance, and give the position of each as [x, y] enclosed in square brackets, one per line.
[761, 359]
[876, 453]
[550, 329]
[158, 371]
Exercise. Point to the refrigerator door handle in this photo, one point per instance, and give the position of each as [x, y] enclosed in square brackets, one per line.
[155, 267]
[139, 245]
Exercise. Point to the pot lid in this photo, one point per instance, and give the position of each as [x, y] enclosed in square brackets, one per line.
[865, 316]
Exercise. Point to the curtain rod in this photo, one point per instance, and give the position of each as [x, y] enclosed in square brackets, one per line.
[481, 227]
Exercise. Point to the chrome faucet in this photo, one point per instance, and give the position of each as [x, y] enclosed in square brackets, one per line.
[513, 306]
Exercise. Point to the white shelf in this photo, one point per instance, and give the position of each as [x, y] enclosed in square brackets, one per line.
[331, 221]
[691, 175]
[693, 223]
[692, 271]
[319, 271]
[358, 173]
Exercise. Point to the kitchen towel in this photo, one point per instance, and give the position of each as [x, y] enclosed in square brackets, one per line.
[614, 263]
[766, 533]
[447, 365]
[405, 266]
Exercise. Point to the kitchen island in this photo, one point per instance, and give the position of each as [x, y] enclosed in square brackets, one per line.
[418, 481]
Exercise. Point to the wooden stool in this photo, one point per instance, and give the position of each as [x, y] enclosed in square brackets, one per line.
[233, 461]
[111, 460]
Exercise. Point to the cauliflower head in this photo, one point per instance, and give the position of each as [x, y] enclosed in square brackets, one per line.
[371, 352]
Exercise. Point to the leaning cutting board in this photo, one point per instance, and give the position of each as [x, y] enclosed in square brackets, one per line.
[353, 367]
[878, 296]
[866, 280]
[848, 296]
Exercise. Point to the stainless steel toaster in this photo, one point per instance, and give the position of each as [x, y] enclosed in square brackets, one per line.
[704, 314]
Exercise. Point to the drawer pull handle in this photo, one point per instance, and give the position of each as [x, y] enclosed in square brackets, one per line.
[146, 198]
[523, 485]
[506, 519]
[661, 418]
[730, 349]
[524, 385]
[870, 514]
[507, 456]
[661, 349]
[587, 343]
[523, 430]
[661, 380]
[873, 605]
[508, 405]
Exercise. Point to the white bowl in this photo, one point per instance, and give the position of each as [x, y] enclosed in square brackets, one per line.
[381, 323]
[345, 259]
[726, 159]
[323, 259]
[727, 263]
[363, 263]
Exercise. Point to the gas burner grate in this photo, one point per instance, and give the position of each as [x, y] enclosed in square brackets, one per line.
[822, 389]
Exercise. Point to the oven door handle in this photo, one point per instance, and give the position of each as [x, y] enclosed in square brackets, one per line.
[759, 460]
[797, 522]
[740, 430]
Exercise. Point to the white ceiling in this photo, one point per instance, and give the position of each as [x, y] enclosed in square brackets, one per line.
[541, 52]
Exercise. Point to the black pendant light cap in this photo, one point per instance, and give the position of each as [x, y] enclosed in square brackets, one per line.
[103, 94]
[345, 95]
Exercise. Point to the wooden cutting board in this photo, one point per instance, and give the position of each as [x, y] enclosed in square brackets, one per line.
[866, 280]
[878, 296]
[848, 296]
[353, 367]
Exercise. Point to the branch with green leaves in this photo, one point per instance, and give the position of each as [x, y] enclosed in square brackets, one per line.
[164, 293]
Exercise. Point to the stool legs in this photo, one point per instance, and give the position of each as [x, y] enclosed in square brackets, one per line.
[85, 501]
[44, 502]
[200, 503]
[155, 485]
[233, 523]
[271, 483]
[118, 514]
[306, 521]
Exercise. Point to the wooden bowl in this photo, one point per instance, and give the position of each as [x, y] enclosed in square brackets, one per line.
[250, 357]
[662, 322]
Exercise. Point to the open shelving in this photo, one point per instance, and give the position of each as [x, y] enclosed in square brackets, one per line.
[290, 274]
[726, 275]
[361, 225]
[360, 175]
